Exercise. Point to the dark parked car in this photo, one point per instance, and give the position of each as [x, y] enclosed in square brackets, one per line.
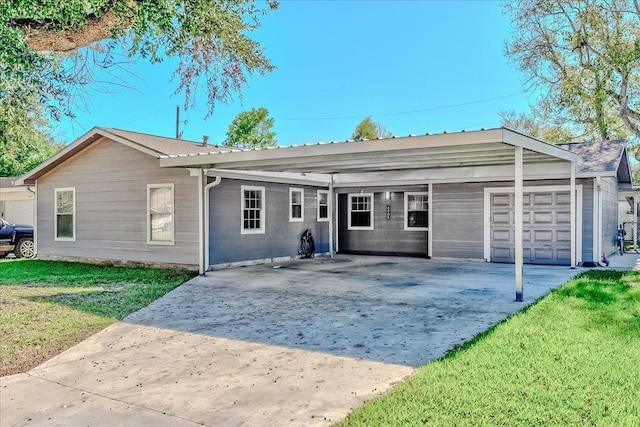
[17, 239]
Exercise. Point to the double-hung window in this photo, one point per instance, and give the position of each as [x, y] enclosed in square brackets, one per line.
[160, 217]
[416, 211]
[361, 211]
[253, 217]
[323, 205]
[65, 223]
[296, 204]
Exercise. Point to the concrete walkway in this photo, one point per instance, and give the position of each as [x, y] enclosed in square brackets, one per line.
[627, 261]
[300, 343]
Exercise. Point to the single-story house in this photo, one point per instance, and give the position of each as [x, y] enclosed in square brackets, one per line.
[494, 194]
[16, 202]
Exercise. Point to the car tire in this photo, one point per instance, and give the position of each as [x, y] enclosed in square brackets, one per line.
[3, 254]
[25, 248]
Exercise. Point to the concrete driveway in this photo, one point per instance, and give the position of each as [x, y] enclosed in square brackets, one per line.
[298, 343]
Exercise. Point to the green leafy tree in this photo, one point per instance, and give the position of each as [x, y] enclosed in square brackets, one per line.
[583, 56]
[54, 48]
[535, 126]
[368, 129]
[635, 172]
[251, 129]
[25, 140]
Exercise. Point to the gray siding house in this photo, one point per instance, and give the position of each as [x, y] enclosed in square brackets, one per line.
[495, 194]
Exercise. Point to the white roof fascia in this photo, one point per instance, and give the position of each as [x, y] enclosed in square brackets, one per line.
[596, 174]
[627, 190]
[452, 175]
[15, 189]
[514, 138]
[316, 180]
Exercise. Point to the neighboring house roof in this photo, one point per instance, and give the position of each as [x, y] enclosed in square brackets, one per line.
[9, 184]
[6, 182]
[607, 158]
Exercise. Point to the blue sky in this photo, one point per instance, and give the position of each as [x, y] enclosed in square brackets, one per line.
[416, 66]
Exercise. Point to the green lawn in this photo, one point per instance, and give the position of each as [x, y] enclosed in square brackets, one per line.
[572, 359]
[48, 306]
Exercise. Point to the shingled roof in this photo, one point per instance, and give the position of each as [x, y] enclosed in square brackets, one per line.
[162, 145]
[598, 157]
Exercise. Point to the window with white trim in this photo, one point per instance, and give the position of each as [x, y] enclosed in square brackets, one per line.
[296, 204]
[323, 205]
[361, 211]
[253, 217]
[416, 211]
[160, 214]
[65, 222]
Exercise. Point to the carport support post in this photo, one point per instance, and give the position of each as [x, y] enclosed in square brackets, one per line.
[518, 221]
[573, 214]
[330, 198]
[635, 222]
[202, 176]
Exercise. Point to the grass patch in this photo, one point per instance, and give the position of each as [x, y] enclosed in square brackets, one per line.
[49, 306]
[571, 359]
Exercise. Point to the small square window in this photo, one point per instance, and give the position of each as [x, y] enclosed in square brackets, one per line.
[361, 211]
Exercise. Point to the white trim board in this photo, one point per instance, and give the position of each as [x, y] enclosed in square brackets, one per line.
[488, 191]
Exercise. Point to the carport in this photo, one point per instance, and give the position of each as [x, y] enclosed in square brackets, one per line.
[462, 157]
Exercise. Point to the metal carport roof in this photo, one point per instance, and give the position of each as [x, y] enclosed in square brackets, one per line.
[474, 155]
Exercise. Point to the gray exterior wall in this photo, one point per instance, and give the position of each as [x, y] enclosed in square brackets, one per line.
[110, 181]
[458, 221]
[609, 214]
[458, 217]
[281, 237]
[388, 235]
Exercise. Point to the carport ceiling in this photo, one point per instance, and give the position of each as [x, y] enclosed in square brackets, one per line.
[493, 147]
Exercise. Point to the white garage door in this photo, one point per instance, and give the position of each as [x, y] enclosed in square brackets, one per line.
[546, 227]
[19, 211]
